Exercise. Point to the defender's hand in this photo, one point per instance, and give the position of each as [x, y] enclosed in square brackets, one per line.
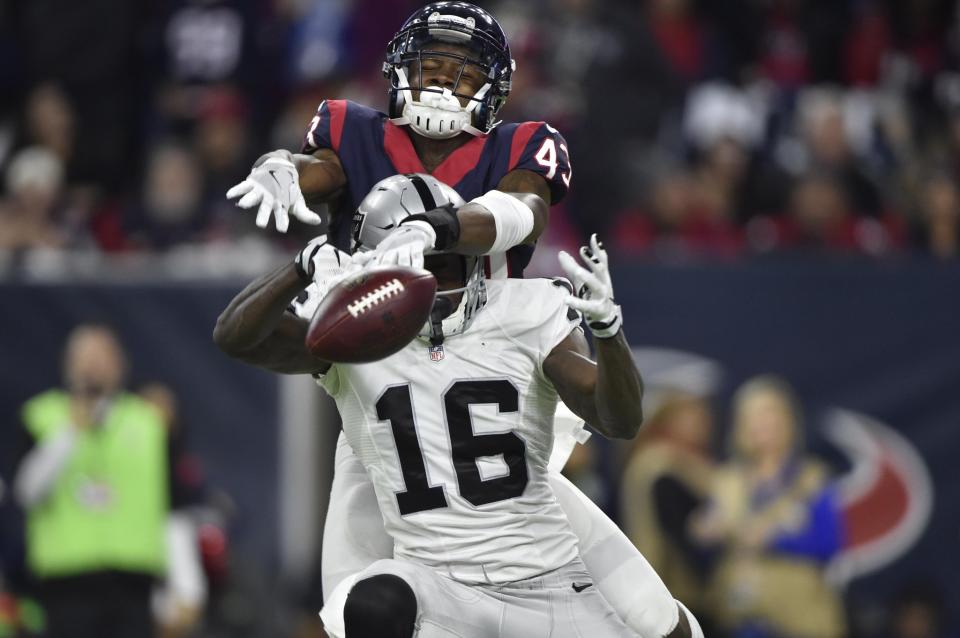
[274, 184]
[404, 246]
[594, 289]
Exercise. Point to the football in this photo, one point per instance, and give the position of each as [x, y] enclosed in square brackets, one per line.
[371, 315]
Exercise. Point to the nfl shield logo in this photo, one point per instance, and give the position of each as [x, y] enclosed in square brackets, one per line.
[436, 353]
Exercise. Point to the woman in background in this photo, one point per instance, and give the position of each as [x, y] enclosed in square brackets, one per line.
[775, 519]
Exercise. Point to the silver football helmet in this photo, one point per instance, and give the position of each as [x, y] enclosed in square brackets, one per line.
[389, 202]
[393, 199]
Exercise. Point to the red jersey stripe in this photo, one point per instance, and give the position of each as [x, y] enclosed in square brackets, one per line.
[460, 162]
[403, 156]
[338, 113]
[521, 137]
[400, 149]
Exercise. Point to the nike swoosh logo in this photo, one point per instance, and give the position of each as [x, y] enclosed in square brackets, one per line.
[579, 588]
[387, 227]
[274, 178]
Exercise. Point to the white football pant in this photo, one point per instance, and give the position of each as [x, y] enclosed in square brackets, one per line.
[354, 539]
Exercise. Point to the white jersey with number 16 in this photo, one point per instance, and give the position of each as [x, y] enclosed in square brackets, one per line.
[456, 439]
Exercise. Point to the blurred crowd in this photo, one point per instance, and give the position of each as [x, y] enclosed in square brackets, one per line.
[753, 126]
[737, 534]
[696, 127]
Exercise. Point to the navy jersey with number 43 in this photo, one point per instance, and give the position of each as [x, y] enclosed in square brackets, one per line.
[372, 148]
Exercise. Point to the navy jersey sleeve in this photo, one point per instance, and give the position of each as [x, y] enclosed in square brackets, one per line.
[326, 127]
[538, 147]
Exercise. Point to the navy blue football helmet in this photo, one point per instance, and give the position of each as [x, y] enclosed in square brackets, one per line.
[438, 113]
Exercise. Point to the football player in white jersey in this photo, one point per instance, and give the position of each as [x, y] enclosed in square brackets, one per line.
[457, 449]
[597, 536]
[354, 537]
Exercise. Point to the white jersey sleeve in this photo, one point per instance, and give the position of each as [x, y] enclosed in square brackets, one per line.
[535, 316]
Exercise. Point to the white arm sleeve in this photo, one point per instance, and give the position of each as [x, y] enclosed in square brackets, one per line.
[185, 573]
[42, 466]
[185, 586]
[513, 219]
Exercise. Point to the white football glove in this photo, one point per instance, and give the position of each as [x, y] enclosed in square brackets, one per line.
[274, 184]
[404, 246]
[323, 264]
[594, 289]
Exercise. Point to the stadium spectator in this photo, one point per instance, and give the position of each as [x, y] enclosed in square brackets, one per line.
[220, 135]
[825, 129]
[774, 518]
[661, 222]
[171, 211]
[667, 478]
[937, 230]
[28, 216]
[50, 120]
[92, 479]
[676, 222]
[820, 215]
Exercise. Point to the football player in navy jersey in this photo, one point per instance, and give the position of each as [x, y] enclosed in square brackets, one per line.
[449, 67]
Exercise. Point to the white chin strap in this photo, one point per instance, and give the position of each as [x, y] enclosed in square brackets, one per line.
[437, 115]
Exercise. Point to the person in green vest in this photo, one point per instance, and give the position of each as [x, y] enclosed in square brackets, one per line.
[92, 479]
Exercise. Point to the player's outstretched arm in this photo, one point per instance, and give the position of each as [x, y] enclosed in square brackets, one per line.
[257, 326]
[515, 213]
[491, 223]
[606, 394]
[321, 176]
